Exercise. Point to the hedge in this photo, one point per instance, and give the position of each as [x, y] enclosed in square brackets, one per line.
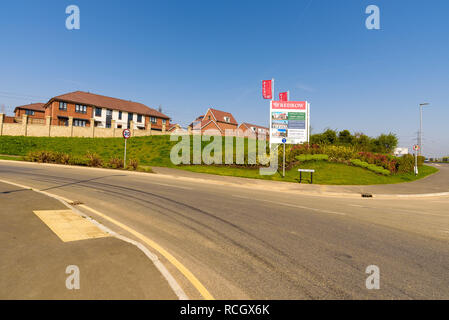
[371, 167]
[312, 157]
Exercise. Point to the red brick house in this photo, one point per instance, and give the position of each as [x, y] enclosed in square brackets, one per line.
[34, 111]
[258, 131]
[215, 119]
[86, 109]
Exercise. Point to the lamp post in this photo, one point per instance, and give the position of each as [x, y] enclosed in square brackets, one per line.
[420, 126]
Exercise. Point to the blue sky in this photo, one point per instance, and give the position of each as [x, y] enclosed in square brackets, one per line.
[191, 55]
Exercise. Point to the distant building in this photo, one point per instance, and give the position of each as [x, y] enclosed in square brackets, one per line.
[222, 121]
[34, 110]
[258, 131]
[400, 151]
[88, 109]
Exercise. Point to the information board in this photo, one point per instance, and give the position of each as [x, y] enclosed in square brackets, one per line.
[289, 120]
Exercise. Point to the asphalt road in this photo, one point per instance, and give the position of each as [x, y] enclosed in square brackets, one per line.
[264, 244]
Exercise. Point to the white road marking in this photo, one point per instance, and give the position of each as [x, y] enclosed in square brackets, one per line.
[292, 205]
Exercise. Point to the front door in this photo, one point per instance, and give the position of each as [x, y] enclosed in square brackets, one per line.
[108, 118]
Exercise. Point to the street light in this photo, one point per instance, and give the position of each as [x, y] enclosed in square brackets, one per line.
[420, 126]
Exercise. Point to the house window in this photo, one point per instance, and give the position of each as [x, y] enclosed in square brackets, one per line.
[139, 118]
[63, 106]
[79, 123]
[164, 121]
[80, 108]
[227, 119]
[29, 112]
[63, 121]
[153, 119]
[98, 112]
[120, 115]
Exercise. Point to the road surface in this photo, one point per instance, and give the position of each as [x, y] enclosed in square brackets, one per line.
[263, 244]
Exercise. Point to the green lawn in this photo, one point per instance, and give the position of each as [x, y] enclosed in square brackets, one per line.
[155, 151]
[325, 173]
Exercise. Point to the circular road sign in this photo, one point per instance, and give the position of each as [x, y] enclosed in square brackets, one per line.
[126, 133]
[284, 140]
[416, 147]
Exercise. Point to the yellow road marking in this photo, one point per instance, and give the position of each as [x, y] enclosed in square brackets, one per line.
[189, 275]
[69, 226]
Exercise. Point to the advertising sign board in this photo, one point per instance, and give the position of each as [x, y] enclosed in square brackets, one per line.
[289, 120]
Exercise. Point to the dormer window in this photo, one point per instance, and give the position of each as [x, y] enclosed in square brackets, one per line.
[227, 119]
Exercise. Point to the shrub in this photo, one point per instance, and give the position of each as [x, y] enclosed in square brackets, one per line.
[371, 167]
[339, 153]
[133, 164]
[116, 163]
[382, 160]
[93, 159]
[421, 160]
[312, 157]
[78, 161]
[406, 163]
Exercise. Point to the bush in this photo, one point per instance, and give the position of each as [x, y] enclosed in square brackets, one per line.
[312, 157]
[116, 163]
[382, 160]
[339, 153]
[78, 161]
[406, 163]
[371, 167]
[421, 160]
[93, 159]
[133, 164]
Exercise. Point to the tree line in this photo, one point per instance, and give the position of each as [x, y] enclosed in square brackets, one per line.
[384, 143]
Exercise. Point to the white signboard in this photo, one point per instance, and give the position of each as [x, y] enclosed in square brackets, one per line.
[289, 120]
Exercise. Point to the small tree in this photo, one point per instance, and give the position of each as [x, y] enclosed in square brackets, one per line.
[345, 137]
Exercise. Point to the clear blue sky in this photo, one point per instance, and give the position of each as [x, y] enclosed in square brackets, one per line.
[191, 55]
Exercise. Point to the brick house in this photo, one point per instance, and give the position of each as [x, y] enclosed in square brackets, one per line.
[214, 119]
[86, 109]
[33, 111]
[255, 129]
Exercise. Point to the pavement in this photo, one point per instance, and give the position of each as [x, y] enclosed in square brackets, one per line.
[34, 258]
[241, 242]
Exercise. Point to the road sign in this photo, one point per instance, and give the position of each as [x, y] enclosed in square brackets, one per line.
[284, 140]
[126, 133]
[416, 147]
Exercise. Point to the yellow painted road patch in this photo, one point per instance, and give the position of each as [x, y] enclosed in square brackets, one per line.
[69, 226]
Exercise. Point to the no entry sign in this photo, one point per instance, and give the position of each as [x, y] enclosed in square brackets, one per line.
[126, 133]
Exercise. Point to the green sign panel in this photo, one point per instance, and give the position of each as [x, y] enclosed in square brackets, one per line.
[296, 116]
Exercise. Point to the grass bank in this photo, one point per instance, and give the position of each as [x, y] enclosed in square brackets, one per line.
[155, 151]
[325, 173]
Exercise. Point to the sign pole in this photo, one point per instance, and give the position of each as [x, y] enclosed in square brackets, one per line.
[126, 135]
[124, 161]
[283, 166]
[416, 163]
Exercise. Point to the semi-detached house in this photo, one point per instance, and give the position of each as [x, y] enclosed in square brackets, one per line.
[86, 109]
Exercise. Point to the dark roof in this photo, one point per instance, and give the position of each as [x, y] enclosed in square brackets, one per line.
[33, 106]
[97, 100]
